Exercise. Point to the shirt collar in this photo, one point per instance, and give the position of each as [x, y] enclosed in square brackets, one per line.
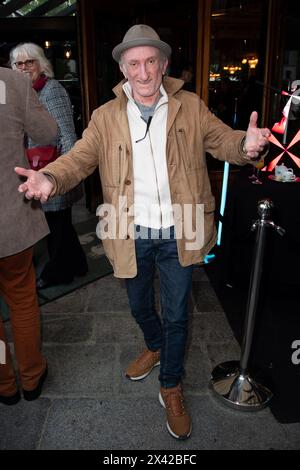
[128, 92]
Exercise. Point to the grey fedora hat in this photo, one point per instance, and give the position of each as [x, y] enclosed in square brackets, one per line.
[140, 35]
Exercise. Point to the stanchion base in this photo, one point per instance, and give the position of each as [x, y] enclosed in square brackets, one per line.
[236, 390]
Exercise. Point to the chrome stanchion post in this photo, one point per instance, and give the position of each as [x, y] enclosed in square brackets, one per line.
[231, 381]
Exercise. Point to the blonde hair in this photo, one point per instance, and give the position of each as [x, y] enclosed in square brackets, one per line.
[32, 51]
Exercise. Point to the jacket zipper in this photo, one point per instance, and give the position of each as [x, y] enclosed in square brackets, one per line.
[183, 146]
[120, 162]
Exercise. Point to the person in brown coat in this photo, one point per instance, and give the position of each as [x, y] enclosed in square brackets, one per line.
[22, 225]
[149, 144]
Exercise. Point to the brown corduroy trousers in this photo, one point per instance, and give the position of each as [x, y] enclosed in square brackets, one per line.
[18, 288]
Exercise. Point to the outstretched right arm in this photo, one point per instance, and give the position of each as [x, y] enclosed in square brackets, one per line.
[66, 171]
[37, 185]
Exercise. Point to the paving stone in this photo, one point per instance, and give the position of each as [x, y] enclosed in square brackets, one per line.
[209, 327]
[22, 424]
[108, 295]
[67, 328]
[223, 352]
[197, 370]
[103, 424]
[71, 303]
[204, 297]
[80, 370]
[117, 328]
[292, 432]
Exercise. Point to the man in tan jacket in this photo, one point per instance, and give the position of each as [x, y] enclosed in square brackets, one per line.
[22, 225]
[149, 144]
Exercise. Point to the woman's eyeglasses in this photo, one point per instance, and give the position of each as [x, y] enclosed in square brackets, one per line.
[28, 63]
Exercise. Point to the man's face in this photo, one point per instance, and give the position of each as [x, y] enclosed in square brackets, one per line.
[144, 68]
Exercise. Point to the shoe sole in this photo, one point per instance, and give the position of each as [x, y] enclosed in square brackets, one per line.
[144, 375]
[179, 438]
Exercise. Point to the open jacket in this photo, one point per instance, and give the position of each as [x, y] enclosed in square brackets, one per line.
[192, 130]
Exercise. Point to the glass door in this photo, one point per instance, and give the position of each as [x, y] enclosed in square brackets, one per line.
[237, 59]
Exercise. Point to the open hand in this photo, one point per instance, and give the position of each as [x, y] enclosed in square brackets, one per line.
[37, 186]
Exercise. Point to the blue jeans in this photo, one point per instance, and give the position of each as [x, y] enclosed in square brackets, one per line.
[170, 334]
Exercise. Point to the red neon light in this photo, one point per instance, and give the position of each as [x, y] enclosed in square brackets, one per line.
[275, 161]
[279, 127]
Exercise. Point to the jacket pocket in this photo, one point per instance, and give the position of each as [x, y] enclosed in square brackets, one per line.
[112, 168]
[192, 160]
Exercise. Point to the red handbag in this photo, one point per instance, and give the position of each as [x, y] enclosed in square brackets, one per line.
[38, 157]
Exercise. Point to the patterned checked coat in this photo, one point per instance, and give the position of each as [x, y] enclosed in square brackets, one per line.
[56, 100]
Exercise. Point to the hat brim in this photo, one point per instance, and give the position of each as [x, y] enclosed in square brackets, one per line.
[161, 45]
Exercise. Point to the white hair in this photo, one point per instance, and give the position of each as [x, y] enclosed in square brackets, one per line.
[31, 51]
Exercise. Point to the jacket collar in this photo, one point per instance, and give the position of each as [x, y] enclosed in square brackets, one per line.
[163, 97]
[171, 85]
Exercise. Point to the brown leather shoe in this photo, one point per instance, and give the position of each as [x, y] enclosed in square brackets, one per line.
[143, 365]
[178, 420]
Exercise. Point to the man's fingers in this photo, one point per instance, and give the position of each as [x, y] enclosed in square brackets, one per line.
[263, 142]
[22, 171]
[37, 195]
[23, 188]
[253, 119]
[29, 195]
[265, 133]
